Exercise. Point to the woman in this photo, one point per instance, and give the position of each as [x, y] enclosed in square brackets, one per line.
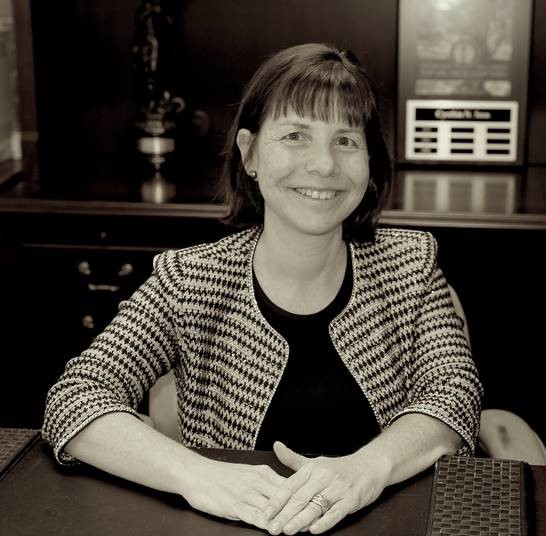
[309, 326]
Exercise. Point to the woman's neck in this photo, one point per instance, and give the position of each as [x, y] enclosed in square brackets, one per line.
[301, 274]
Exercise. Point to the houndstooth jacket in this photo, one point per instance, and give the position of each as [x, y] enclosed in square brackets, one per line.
[399, 336]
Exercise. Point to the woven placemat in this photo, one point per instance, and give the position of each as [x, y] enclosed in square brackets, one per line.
[478, 496]
[13, 443]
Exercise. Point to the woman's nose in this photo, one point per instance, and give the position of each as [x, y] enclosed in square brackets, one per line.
[322, 161]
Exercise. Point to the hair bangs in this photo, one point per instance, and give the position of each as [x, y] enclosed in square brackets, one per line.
[332, 95]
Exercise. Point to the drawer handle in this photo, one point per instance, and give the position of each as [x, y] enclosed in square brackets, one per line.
[84, 268]
[88, 322]
[102, 288]
[126, 269]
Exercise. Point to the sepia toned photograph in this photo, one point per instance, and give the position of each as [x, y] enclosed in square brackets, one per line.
[271, 267]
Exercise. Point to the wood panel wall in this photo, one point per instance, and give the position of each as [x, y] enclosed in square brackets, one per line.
[85, 85]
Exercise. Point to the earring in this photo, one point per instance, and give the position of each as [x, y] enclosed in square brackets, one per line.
[253, 175]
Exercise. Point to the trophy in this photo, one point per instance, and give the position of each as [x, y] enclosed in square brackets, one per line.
[157, 189]
[154, 54]
[155, 143]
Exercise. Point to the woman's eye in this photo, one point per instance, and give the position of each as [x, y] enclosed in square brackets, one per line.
[294, 136]
[344, 141]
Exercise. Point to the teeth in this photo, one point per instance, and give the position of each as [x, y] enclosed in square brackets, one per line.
[317, 194]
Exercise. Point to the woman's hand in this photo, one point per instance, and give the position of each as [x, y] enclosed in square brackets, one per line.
[348, 483]
[232, 490]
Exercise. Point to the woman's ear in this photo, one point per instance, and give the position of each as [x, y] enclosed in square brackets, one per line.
[244, 140]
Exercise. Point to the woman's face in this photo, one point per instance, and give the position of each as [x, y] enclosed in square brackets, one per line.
[311, 174]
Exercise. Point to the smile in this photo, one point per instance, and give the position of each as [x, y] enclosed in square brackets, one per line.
[323, 195]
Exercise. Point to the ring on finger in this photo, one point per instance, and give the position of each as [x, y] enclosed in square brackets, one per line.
[321, 501]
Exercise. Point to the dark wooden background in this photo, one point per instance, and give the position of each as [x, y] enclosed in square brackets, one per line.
[84, 111]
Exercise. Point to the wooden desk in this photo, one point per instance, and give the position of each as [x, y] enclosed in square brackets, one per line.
[39, 497]
[539, 486]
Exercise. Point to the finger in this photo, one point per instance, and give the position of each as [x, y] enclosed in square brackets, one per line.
[295, 505]
[285, 492]
[267, 489]
[289, 457]
[251, 515]
[331, 518]
[255, 499]
[304, 519]
[311, 481]
[307, 492]
[271, 476]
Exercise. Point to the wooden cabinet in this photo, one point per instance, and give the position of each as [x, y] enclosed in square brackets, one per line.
[81, 285]
[61, 279]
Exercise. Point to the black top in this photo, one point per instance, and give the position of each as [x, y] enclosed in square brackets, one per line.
[318, 406]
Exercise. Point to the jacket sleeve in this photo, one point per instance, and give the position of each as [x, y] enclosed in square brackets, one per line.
[444, 380]
[123, 362]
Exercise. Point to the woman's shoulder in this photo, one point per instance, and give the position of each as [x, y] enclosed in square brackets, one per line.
[398, 246]
[233, 247]
[393, 237]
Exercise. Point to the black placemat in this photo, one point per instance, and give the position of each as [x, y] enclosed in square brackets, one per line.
[13, 443]
[478, 496]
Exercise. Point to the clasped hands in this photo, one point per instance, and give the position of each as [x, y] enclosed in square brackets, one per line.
[259, 496]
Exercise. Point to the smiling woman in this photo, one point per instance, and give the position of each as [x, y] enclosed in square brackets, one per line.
[312, 175]
[310, 326]
[296, 89]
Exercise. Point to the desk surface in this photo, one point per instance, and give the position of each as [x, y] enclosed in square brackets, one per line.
[39, 497]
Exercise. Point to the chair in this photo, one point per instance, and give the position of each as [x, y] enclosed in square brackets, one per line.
[502, 434]
[162, 406]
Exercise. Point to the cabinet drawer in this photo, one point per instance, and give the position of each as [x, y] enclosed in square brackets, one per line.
[84, 285]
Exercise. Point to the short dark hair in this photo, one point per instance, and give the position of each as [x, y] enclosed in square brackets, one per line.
[321, 82]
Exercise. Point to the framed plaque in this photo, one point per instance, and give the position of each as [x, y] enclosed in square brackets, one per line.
[462, 80]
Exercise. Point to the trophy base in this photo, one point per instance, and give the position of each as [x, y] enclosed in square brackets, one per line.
[157, 190]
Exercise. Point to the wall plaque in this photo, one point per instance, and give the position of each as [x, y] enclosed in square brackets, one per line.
[462, 78]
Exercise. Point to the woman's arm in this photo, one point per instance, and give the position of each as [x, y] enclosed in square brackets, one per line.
[123, 362]
[91, 411]
[122, 445]
[411, 444]
[443, 379]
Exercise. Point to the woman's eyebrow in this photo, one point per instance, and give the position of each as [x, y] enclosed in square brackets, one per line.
[305, 126]
[294, 124]
[350, 131]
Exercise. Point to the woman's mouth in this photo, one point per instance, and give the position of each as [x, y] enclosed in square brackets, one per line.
[322, 195]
